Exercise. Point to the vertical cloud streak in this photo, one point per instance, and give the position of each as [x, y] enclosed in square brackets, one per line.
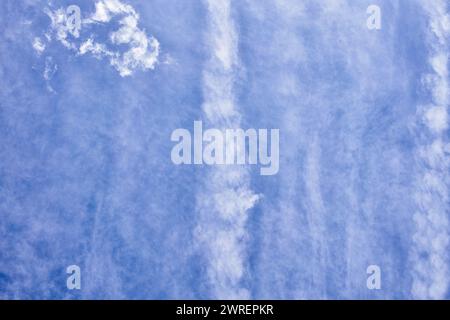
[431, 239]
[224, 203]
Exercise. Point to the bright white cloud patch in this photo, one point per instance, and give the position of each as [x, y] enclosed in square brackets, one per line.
[38, 45]
[141, 51]
[437, 118]
[106, 9]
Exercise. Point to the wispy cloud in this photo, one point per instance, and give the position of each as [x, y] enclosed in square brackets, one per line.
[224, 203]
[431, 238]
[143, 50]
[38, 45]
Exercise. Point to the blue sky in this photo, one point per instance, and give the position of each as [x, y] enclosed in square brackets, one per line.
[85, 171]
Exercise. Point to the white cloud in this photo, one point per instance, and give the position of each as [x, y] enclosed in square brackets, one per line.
[96, 48]
[101, 12]
[439, 64]
[437, 118]
[106, 9]
[431, 238]
[50, 68]
[58, 27]
[224, 203]
[224, 38]
[143, 50]
[38, 45]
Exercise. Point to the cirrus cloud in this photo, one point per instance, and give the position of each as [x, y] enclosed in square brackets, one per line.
[141, 51]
